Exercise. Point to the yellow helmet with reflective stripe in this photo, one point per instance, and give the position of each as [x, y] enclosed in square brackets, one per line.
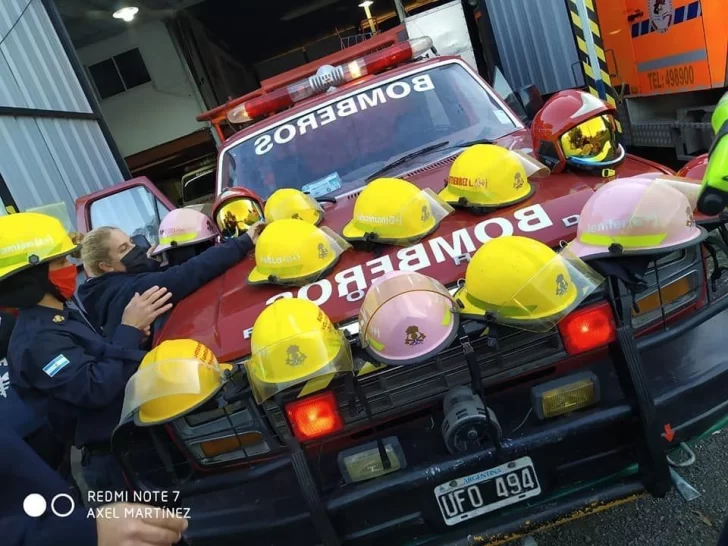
[174, 378]
[521, 282]
[292, 203]
[294, 342]
[28, 239]
[394, 211]
[294, 252]
[489, 176]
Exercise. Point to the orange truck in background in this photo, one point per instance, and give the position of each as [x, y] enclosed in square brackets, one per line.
[668, 63]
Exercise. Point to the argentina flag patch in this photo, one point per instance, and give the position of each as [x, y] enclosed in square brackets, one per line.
[56, 365]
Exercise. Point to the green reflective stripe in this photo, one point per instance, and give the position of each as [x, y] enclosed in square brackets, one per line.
[627, 241]
[447, 318]
[180, 238]
[376, 344]
[42, 252]
[14, 260]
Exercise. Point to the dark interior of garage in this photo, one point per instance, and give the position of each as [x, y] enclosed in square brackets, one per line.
[266, 38]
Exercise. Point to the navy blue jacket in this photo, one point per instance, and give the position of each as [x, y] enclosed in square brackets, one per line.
[64, 369]
[13, 411]
[22, 472]
[106, 297]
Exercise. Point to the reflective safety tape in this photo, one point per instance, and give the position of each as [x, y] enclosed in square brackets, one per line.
[671, 60]
[591, 51]
[447, 318]
[627, 241]
[316, 384]
[178, 238]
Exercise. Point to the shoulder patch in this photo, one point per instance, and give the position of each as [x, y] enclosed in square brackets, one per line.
[56, 365]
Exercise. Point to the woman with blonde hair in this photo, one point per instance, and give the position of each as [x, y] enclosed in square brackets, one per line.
[117, 269]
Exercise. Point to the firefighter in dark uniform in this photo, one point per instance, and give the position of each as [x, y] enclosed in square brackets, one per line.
[58, 364]
[18, 415]
[118, 268]
[26, 517]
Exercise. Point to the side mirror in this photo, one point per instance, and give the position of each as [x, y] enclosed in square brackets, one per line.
[530, 99]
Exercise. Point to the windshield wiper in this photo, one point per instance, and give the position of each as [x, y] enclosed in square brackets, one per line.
[407, 157]
[468, 143]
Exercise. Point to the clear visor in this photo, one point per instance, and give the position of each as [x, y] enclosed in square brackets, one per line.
[59, 211]
[314, 254]
[533, 167]
[301, 207]
[235, 217]
[384, 290]
[308, 361]
[594, 140]
[170, 388]
[689, 188]
[551, 294]
[663, 209]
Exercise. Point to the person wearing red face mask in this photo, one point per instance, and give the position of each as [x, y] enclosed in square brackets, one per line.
[58, 364]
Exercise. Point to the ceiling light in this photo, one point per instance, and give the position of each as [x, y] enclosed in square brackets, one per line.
[366, 4]
[126, 14]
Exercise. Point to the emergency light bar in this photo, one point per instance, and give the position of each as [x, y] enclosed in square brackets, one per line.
[328, 77]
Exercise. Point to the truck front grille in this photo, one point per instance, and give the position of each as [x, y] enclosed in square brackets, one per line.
[391, 390]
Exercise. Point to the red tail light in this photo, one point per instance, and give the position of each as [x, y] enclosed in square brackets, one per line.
[320, 83]
[588, 329]
[314, 416]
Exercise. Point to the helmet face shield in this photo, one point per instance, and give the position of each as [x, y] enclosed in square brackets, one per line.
[593, 141]
[638, 216]
[521, 282]
[407, 318]
[296, 360]
[553, 292]
[237, 216]
[166, 389]
[294, 252]
[380, 219]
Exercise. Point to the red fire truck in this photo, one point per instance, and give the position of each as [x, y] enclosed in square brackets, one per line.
[657, 371]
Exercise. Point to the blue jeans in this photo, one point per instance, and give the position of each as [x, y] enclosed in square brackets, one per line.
[102, 473]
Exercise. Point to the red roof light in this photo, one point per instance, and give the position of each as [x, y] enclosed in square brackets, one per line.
[328, 77]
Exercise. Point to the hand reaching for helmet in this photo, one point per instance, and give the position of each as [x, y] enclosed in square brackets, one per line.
[144, 309]
[255, 230]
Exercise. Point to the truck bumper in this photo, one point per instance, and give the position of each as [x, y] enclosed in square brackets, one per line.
[583, 463]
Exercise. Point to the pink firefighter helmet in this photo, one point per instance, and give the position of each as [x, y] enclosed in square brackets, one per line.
[184, 227]
[640, 215]
[407, 318]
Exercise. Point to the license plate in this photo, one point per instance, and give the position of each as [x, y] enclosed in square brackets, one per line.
[472, 496]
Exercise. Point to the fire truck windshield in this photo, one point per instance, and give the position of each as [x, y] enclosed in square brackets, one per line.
[332, 148]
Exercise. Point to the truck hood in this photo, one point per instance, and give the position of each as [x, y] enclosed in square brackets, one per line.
[222, 313]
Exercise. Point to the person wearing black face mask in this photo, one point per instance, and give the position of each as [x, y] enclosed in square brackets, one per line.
[60, 367]
[117, 269]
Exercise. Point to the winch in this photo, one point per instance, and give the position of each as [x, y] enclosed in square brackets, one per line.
[466, 425]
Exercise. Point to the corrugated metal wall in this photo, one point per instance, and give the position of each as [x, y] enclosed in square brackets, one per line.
[535, 43]
[49, 157]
